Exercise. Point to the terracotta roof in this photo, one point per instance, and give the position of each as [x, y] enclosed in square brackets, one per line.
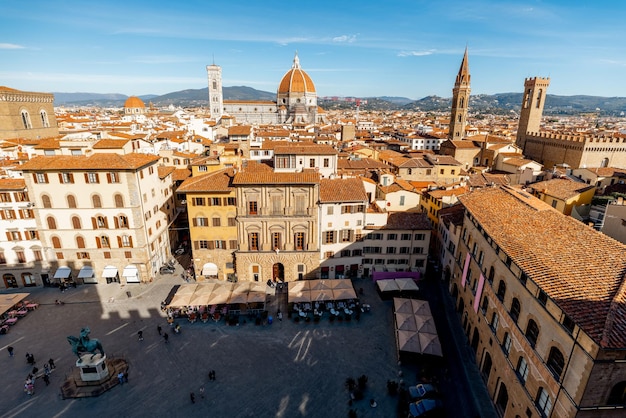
[218, 181]
[563, 189]
[240, 130]
[452, 215]
[463, 144]
[165, 170]
[180, 174]
[580, 269]
[12, 184]
[342, 190]
[110, 143]
[269, 177]
[360, 164]
[48, 143]
[104, 161]
[300, 149]
[407, 220]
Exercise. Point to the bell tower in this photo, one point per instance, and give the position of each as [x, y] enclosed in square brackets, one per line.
[533, 99]
[216, 96]
[460, 101]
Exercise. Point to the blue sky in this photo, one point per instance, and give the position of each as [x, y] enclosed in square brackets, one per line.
[408, 48]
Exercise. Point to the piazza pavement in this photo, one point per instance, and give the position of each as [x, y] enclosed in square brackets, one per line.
[283, 370]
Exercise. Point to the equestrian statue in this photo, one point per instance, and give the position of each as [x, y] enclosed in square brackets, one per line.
[84, 344]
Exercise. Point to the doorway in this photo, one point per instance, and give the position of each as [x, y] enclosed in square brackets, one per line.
[278, 272]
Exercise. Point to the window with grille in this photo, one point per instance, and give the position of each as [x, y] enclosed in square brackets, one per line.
[254, 241]
[252, 208]
[299, 240]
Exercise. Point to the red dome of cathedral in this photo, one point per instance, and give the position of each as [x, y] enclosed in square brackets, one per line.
[296, 80]
[134, 102]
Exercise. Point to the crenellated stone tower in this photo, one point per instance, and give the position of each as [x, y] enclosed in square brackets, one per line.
[460, 101]
[535, 90]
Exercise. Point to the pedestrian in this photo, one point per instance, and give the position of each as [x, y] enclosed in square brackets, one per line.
[159, 329]
[46, 369]
[46, 379]
[140, 335]
[192, 396]
[51, 363]
[202, 392]
[10, 350]
[165, 337]
[120, 377]
[35, 370]
[212, 375]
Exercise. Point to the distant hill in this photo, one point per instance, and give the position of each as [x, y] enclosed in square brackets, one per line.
[502, 103]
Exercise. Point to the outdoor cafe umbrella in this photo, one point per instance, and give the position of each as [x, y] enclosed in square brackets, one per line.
[202, 294]
[429, 344]
[408, 341]
[320, 284]
[321, 295]
[255, 296]
[425, 324]
[343, 294]
[387, 285]
[238, 297]
[300, 296]
[300, 285]
[402, 305]
[341, 284]
[421, 307]
[180, 301]
[406, 284]
[405, 322]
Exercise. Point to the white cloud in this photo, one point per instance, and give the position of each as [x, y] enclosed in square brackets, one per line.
[345, 38]
[415, 53]
[11, 46]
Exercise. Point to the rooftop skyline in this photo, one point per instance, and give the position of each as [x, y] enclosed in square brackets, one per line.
[403, 48]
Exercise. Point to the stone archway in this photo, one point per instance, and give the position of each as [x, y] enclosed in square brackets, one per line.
[278, 272]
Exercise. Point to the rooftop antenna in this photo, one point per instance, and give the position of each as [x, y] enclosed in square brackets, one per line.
[213, 59]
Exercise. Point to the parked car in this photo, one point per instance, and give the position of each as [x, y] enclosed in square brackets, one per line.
[167, 270]
[423, 390]
[425, 408]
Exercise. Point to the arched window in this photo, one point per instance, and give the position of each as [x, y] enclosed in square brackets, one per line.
[522, 369]
[80, 242]
[45, 201]
[501, 290]
[486, 369]
[76, 222]
[556, 362]
[543, 402]
[71, 201]
[532, 333]
[52, 223]
[485, 304]
[515, 309]
[494, 321]
[502, 399]
[26, 120]
[618, 394]
[95, 199]
[44, 119]
[56, 242]
[103, 242]
[491, 274]
[506, 343]
[119, 200]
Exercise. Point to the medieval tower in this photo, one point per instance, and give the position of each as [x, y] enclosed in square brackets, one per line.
[460, 101]
[216, 97]
[535, 89]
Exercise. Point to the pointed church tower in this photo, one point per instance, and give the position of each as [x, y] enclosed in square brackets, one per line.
[216, 96]
[535, 90]
[460, 101]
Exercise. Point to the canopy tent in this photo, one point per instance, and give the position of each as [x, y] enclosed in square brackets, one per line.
[201, 294]
[63, 273]
[131, 274]
[300, 285]
[239, 297]
[421, 307]
[425, 324]
[401, 305]
[8, 301]
[86, 273]
[255, 297]
[429, 344]
[180, 301]
[299, 296]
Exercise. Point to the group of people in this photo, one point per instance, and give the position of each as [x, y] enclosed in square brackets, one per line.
[29, 384]
[192, 395]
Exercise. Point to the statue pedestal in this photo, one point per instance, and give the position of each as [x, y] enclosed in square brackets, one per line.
[93, 368]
